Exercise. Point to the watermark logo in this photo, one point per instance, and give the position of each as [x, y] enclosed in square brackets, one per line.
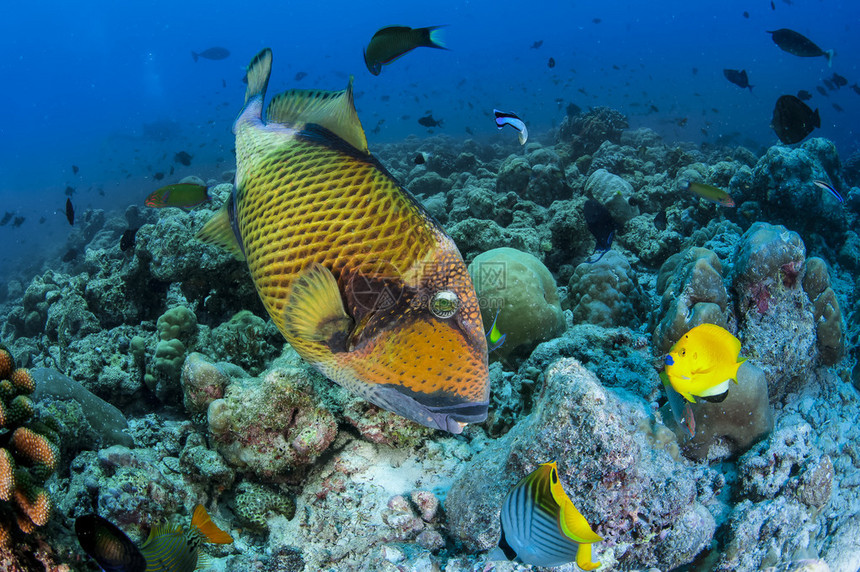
[490, 276]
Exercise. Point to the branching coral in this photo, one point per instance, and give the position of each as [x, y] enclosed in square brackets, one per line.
[28, 453]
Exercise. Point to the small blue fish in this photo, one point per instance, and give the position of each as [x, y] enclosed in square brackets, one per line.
[828, 187]
[508, 118]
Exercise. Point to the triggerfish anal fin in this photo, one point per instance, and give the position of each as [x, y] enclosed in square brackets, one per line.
[314, 309]
[219, 231]
[210, 531]
[495, 338]
[334, 110]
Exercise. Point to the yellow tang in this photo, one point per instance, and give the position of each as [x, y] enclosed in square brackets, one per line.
[703, 361]
[359, 279]
[541, 526]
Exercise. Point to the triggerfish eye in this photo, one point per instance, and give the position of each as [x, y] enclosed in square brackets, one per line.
[444, 304]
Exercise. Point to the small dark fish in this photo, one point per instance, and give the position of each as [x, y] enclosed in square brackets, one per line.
[829, 85]
[837, 107]
[469, 131]
[158, 176]
[384, 97]
[856, 88]
[420, 158]
[6, 218]
[70, 212]
[75, 169]
[573, 109]
[216, 53]
[660, 220]
[428, 121]
[126, 241]
[390, 43]
[654, 108]
[799, 45]
[829, 188]
[821, 90]
[19, 220]
[70, 255]
[69, 191]
[738, 77]
[182, 157]
[746, 14]
[551, 63]
[839, 80]
[793, 120]
[537, 45]
[682, 121]
[601, 225]
[182, 195]
[171, 170]
[804, 95]
[223, 83]
[695, 71]
[42, 220]
[772, 5]
[596, 20]
[301, 75]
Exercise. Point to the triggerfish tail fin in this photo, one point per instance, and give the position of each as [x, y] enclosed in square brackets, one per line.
[210, 531]
[334, 110]
[219, 231]
[432, 37]
[495, 338]
[259, 71]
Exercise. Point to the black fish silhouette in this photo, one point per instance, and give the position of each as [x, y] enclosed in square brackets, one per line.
[793, 120]
[216, 53]
[70, 212]
[738, 77]
[799, 45]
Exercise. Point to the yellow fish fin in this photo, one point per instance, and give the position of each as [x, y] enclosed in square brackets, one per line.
[314, 309]
[583, 558]
[688, 396]
[259, 71]
[572, 523]
[334, 110]
[159, 530]
[210, 531]
[218, 231]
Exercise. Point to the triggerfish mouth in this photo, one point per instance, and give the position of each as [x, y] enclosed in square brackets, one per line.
[507, 118]
[359, 279]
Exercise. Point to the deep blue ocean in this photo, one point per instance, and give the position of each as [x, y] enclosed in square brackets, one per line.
[112, 88]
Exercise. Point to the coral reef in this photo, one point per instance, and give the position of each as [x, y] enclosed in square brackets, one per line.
[603, 293]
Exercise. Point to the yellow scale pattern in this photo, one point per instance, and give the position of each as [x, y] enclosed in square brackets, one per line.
[304, 203]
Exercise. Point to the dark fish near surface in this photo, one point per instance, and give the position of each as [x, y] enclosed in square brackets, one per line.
[738, 77]
[799, 45]
[428, 121]
[6, 218]
[856, 88]
[126, 241]
[216, 53]
[601, 225]
[182, 195]
[69, 191]
[793, 120]
[537, 45]
[75, 169]
[183, 157]
[19, 220]
[551, 63]
[804, 95]
[821, 90]
[158, 176]
[839, 80]
[70, 212]
[365, 285]
[829, 85]
[746, 14]
[392, 42]
[301, 75]
[837, 107]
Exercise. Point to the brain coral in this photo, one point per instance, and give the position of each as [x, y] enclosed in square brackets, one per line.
[28, 453]
[524, 289]
[601, 293]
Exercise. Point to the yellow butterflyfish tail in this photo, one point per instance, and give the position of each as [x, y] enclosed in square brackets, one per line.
[571, 521]
[583, 558]
[207, 528]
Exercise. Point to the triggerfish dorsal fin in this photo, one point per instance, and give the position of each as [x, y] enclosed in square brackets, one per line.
[314, 309]
[210, 531]
[259, 71]
[334, 110]
[219, 231]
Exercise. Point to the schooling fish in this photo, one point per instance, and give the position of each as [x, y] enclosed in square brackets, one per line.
[601, 225]
[169, 547]
[541, 526]
[428, 121]
[738, 77]
[182, 157]
[804, 95]
[550, 63]
[355, 274]
[709, 193]
[182, 195]
[829, 188]
[216, 53]
[392, 42]
[509, 118]
[839, 80]
[799, 45]
[70, 212]
[703, 362]
[75, 169]
[793, 120]
[7, 216]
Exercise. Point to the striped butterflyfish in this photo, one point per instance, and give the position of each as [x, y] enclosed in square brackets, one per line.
[355, 274]
[540, 525]
[168, 548]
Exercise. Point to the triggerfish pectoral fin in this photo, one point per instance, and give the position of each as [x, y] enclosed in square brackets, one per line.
[314, 310]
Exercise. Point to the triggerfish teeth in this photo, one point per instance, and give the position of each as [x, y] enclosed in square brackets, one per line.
[507, 118]
[703, 362]
[359, 279]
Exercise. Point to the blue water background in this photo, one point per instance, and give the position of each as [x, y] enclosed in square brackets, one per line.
[83, 79]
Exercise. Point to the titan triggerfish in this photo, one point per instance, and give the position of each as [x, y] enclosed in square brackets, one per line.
[359, 279]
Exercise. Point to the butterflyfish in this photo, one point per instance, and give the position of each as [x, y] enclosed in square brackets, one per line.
[168, 548]
[358, 278]
[393, 42]
[541, 526]
[703, 362]
[509, 118]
